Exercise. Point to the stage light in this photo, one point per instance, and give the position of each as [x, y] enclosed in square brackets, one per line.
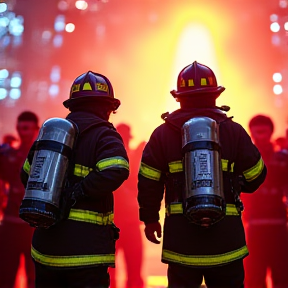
[275, 27]
[63, 5]
[3, 7]
[53, 90]
[277, 89]
[286, 26]
[273, 17]
[81, 4]
[277, 77]
[4, 73]
[15, 93]
[59, 24]
[58, 40]
[70, 27]
[55, 74]
[283, 4]
[16, 80]
[3, 93]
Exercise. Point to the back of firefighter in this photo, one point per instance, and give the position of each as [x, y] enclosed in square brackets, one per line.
[190, 250]
[265, 216]
[76, 252]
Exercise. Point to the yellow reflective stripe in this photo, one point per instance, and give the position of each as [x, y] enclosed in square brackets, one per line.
[175, 166]
[224, 164]
[205, 260]
[149, 172]
[26, 166]
[254, 172]
[91, 217]
[71, 261]
[112, 162]
[177, 208]
[81, 171]
[231, 210]
[174, 208]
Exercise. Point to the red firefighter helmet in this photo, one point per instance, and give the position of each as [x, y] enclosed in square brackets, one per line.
[197, 79]
[91, 86]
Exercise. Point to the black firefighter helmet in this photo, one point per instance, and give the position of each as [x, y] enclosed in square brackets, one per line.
[195, 80]
[91, 86]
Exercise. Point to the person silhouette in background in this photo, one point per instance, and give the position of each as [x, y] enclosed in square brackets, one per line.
[15, 234]
[8, 141]
[126, 217]
[265, 213]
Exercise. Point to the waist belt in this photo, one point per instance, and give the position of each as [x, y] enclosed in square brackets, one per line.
[177, 208]
[91, 217]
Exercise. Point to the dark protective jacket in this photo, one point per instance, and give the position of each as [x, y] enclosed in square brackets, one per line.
[162, 171]
[87, 237]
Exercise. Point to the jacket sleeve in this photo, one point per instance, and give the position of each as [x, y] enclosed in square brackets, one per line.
[112, 166]
[249, 164]
[151, 180]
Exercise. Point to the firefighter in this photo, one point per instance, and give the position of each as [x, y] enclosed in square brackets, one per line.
[77, 250]
[198, 241]
[265, 216]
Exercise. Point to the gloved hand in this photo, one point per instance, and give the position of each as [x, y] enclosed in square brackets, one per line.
[150, 229]
[69, 197]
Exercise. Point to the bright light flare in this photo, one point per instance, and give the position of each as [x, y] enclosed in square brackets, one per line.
[277, 77]
[275, 27]
[277, 89]
[4, 73]
[15, 93]
[16, 80]
[188, 51]
[70, 27]
[3, 93]
[3, 7]
[81, 5]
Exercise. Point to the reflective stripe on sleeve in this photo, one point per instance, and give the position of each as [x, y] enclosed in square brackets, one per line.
[72, 261]
[205, 260]
[175, 166]
[118, 162]
[91, 217]
[224, 165]
[81, 171]
[26, 166]
[149, 172]
[254, 171]
[113, 162]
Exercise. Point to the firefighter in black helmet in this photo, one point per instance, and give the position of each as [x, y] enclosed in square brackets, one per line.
[198, 241]
[77, 251]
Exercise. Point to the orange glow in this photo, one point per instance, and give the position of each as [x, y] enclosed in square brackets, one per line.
[143, 58]
[210, 35]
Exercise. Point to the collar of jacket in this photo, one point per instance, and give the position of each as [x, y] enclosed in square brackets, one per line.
[85, 120]
[180, 116]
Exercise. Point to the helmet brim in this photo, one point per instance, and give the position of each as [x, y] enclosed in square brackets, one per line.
[212, 91]
[115, 103]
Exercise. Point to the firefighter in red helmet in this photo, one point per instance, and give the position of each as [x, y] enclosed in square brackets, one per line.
[78, 249]
[202, 160]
